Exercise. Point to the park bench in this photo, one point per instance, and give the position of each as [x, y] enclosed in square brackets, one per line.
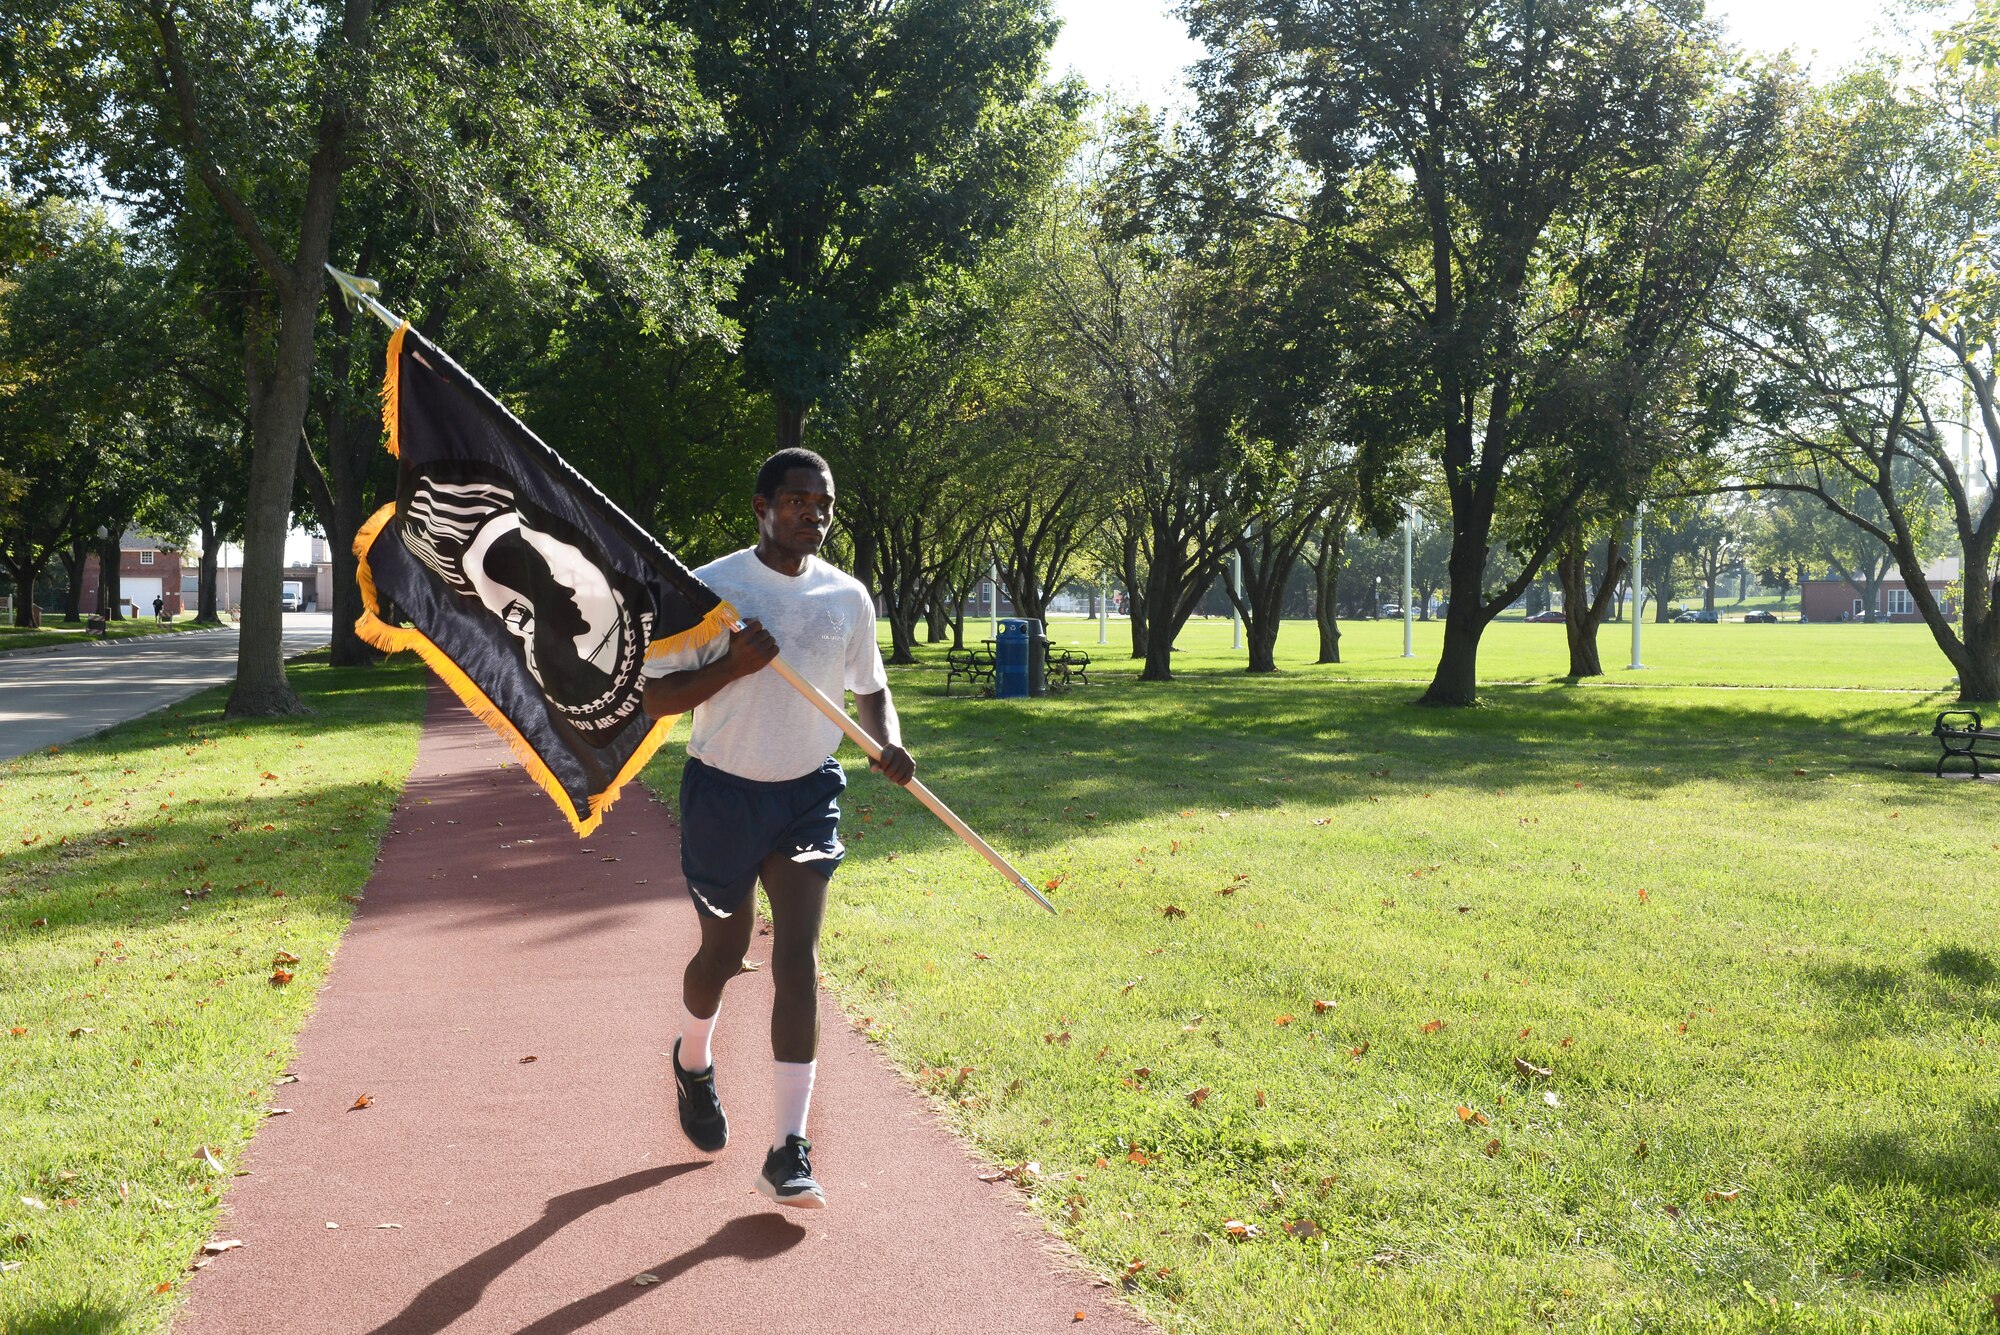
[973, 665]
[1066, 668]
[1960, 739]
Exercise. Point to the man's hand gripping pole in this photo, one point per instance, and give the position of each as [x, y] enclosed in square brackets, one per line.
[930, 799]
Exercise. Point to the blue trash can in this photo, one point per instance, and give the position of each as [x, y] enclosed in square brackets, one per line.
[1010, 661]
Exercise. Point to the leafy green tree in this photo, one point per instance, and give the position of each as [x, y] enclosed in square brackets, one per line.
[1871, 330]
[861, 148]
[77, 316]
[516, 123]
[1534, 201]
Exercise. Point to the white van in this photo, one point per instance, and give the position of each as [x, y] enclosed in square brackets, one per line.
[294, 599]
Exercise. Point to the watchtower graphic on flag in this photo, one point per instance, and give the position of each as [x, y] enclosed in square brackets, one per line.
[531, 595]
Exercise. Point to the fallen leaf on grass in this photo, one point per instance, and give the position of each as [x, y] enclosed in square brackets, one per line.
[1236, 1228]
[1139, 1157]
[205, 1155]
[1172, 911]
[163, 1287]
[1492, 1147]
[1432, 1026]
[1129, 986]
[1282, 1021]
[1528, 1068]
[1549, 1097]
[366, 1100]
[981, 955]
[1567, 1043]
[221, 1245]
[1360, 1052]
[1322, 1007]
[1643, 896]
[1673, 1211]
[1260, 1098]
[1472, 1116]
[283, 957]
[1198, 1097]
[1302, 1228]
[279, 977]
[80, 1032]
[33, 1203]
[18, 1030]
[1722, 1195]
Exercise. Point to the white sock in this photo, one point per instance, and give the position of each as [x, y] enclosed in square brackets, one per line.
[695, 1035]
[794, 1084]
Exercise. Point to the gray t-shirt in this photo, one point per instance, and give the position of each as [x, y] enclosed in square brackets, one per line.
[758, 727]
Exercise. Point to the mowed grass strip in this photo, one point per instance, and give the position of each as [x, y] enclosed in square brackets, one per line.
[1278, 1064]
[1901, 657]
[55, 632]
[157, 886]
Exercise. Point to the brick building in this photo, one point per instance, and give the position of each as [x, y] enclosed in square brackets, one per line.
[1838, 600]
[147, 569]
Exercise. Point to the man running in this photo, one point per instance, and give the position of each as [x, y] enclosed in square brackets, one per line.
[760, 797]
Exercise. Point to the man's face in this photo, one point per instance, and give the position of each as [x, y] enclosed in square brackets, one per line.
[798, 517]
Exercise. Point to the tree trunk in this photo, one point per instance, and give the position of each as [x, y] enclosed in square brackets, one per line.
[1573, 571]
[109, 603]
[1135, 590]
[73, 558]
[339, 493]
[206, 612]
[25, 578]
[1326, 585]
[936, 625]
[278, 416]
[791, 423]
[1456, 680]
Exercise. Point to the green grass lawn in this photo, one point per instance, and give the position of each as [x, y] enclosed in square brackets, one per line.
[54, 631]
[149, 879]
[1278, 1062]
[1881, 657]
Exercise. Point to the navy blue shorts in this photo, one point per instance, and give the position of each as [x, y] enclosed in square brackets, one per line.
[729, 825]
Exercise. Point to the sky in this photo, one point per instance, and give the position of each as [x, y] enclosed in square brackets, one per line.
[1137, 48]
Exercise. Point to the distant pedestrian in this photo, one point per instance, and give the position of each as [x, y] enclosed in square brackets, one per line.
[159, 609]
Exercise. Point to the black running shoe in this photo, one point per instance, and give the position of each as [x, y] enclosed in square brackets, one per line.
[701, 1110]
[788, 1176]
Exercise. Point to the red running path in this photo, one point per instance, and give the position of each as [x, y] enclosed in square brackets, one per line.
[529, 1195]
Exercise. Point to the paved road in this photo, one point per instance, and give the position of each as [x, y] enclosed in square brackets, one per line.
[48, 697]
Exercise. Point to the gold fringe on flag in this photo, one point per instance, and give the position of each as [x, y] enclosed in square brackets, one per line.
[395, 639]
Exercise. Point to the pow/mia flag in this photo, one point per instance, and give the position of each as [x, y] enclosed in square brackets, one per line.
[534, 597]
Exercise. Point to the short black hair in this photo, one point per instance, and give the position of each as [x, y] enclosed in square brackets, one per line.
[772, 474]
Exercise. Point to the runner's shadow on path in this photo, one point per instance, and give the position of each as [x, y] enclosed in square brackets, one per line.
[450, 1296]
[754, 1237]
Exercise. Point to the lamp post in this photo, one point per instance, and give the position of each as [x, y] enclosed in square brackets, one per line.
[993, 600]
[1409, 531]
[1103, 607]
[1638, 584]
[103, 581]
[1236, 590]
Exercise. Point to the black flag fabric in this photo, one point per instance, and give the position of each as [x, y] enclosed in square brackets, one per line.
[527, 591]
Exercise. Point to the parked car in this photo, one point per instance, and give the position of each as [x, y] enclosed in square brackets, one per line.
[1761, 618]
[1702, 618]
[1391, 610]
[1543, 618]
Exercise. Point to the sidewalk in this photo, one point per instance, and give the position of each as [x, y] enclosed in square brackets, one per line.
[528, 1194]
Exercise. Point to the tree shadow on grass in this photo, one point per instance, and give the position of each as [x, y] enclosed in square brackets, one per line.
[1955, 982]
[84, 1316]
[1125, 754]
[452, 1295]
[1921, 1199]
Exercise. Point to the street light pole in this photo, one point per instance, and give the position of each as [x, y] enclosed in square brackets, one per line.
[1103, 607]
[1236, 587]
[1638, 584]
[993, 600]
[1409, 538]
